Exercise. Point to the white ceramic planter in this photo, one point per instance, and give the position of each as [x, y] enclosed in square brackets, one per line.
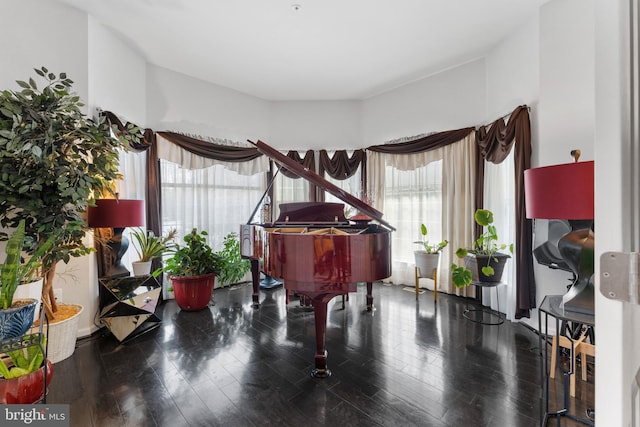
[141, 268]
[426, 263]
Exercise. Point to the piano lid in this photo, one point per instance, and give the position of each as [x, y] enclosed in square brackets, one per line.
[316, 179]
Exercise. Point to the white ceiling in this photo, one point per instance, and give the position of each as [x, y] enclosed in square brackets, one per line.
[325, 50]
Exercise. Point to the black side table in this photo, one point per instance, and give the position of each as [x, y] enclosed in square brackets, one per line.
[478, 314]
[128, 305]
[550, 307]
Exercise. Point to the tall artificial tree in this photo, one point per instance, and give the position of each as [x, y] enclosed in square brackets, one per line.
[54, 160]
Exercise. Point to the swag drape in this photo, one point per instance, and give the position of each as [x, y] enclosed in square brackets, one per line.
[495, 142]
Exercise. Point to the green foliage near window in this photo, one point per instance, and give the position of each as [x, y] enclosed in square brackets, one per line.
[232, 267]
[53, 161]
[194, 258]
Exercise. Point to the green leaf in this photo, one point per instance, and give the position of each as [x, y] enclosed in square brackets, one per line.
[461, 252]
[23, 84]
[484, 217]
[488, 270]
[460, 276]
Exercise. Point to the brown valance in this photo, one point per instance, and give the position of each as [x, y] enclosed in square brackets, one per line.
[429, 142]
[308, 161]
[341, 165]
[210, 150]
[495, 142]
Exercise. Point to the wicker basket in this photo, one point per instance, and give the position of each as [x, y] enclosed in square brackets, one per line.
[61, 340]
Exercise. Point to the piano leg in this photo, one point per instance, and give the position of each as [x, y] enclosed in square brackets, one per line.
[369, 296]
[320, 317]
[255, 276]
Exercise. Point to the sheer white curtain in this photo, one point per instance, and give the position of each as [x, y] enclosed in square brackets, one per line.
[499, 197]
[131, 186]
[288, 190]
[408, 190]
[459, 183]
[214, 199]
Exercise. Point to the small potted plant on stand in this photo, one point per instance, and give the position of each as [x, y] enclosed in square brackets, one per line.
[149, 246]
[192, 269]
[483, 262]
[427, 258]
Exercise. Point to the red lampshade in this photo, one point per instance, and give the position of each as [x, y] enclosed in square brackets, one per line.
[560, 192]
[116, 213]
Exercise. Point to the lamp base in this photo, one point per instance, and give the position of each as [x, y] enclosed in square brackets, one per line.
[579, 298]
[576, 248]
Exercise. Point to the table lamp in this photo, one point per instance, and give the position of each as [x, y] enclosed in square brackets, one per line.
[565, 192]
[117, 214]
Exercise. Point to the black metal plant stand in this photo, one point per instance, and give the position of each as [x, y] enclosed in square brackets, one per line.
[496, 317]
[29, 340]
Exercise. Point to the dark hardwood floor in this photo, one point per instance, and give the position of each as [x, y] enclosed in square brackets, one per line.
[407, 363]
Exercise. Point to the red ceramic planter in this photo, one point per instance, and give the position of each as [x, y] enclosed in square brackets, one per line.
[193, 293]
[26, 389]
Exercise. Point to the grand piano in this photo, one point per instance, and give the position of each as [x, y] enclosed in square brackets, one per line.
[317, 251]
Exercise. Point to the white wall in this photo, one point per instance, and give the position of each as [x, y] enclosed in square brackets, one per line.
[176, 102]
[315, 125]
[117, 75]
[449, 100]
[567, 103]
[38, 33]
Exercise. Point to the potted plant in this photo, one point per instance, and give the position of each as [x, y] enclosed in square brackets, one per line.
[53, 161]
[148, 247]
[16, 316]
[232, 266]
[23, 375]
[483, 262]
[428, 255]
[192, 269]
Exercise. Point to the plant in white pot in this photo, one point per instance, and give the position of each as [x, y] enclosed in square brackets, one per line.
[428, 256]
[484, 262]
[148, 246]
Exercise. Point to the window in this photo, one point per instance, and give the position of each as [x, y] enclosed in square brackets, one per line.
[413, 197]
[214, 199]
